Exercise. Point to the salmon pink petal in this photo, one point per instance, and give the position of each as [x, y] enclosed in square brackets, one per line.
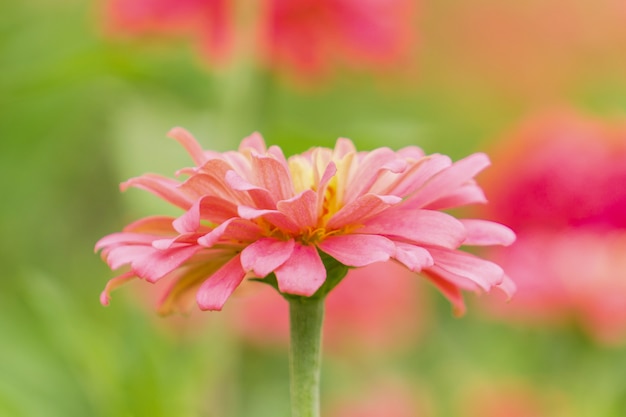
[301, 209]
[450, 291]
[201, 184]
[303, 273]
[255, 142]
[211, 208]
[343, 147]
[265, 255]
[214, 292]
[358, 250]
[469, 193]
[154, 225]
[418, 226]
[113, 284]
[415, 176]
[234, 229]
[262, 198]
[125, 239]
[162, 187]
[182, 239]
[487, 233]
[484, 273]
[362, 209]
[413, 257]
[367, 172]
[273, 176]
[449, 179]
[122, 255]
[160, 263]
[189, 143]
[275, 217]
[507, 286]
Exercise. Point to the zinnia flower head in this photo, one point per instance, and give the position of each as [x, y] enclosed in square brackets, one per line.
[256, 213]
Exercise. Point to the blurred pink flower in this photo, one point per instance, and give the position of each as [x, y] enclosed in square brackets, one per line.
[208, 22]
[253, 212]
[513, 399]
[386, 399]
[309, 38]
[564, 195]
[364, 311]
[306, 39]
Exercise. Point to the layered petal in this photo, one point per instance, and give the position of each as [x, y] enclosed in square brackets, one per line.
[214, 292]
[424, 227]
[265, 255]
[303, 273]
[358, 250]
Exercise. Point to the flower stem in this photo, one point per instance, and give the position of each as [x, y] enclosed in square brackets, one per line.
[306, 316]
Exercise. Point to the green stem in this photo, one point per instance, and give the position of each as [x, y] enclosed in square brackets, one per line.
[306, 316]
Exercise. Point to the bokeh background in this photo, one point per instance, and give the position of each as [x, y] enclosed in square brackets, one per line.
[88, 90]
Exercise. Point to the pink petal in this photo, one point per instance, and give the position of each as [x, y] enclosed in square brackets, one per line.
[482, 272]
[211, 208]
[113, 284]
[413, 257]
[301, 209]
[362, 209]
[160, 263]
[273, 176]
[265, 255]
[214, 292]
[154, 225]
[190, 143]
[122, 255]
[255, 142]
[237, 230]
[162, 187]
[448, 180]
[303, 273]
[450, 291]
[469, 193]
[415, 176]
[182, 239]
[418, 226]
[262, 198]
[275, 217]
[123, 238]
[486, 233]
[369, 168]
[343, 147]
[201, 184]
[507, 286]
[358, 250]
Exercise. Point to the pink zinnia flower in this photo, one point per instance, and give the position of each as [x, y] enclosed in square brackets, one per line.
[564, 195]
[254, 212]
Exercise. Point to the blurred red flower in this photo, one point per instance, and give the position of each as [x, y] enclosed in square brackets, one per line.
[559, 182]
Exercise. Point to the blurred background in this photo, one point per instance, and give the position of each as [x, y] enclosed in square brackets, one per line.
[88, 90]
